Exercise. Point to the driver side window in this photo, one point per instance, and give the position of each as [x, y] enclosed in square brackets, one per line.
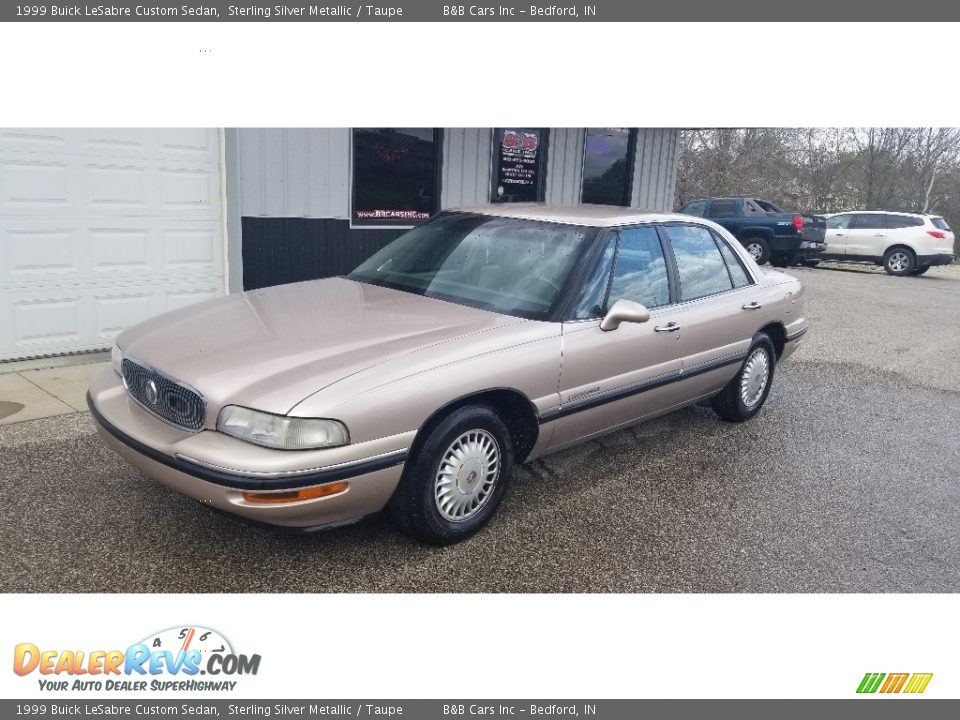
[639, 273]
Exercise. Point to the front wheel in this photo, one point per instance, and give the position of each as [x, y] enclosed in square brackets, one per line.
[453, 485]
[899, 261]
[743, 396]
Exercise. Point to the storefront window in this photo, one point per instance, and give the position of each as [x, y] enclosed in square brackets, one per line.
[518, 164]
[607, 155]
[394, 175]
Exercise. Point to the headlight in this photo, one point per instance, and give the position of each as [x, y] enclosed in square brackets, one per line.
[116, 357]
[280, 431]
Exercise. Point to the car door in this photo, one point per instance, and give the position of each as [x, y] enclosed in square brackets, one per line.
[613, 378]
[867, 235]
[837, 235]
[719, 309]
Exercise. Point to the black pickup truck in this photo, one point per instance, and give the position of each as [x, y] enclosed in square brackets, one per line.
[766, 231]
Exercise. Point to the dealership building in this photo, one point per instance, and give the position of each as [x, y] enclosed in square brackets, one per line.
[100, 229]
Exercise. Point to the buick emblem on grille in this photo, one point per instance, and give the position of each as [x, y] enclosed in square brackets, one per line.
[150, 390]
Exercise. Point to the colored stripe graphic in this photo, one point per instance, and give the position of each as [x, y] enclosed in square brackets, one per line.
[894, 682]
[870, 682]
[918, 683]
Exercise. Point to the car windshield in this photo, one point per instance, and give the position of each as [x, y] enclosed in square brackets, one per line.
[512, 266]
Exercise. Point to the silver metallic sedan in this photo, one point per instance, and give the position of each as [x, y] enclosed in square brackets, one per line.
[486, 337]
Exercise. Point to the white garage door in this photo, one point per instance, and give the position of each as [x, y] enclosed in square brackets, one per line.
[100, 229]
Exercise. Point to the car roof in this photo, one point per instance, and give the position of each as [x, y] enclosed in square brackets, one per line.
[881, 212]
[589, 215]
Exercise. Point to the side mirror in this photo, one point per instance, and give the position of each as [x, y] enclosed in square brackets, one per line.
[624, 311]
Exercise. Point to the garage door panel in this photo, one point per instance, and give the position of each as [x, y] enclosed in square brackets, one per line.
[186, 142]
[44, 183]
[119, 250]
[106, 251]
[57, 320]
[103, 228]
[189, 188]
[46, 320]
[33, 254]
[34, 185]
[117, 188]
[144, 143]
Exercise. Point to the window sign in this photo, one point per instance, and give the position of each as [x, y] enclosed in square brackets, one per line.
[394, 175]
[607, 156]
[518, 164]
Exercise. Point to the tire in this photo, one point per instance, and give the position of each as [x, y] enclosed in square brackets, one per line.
[757, 248]
[743, 396]
[920, 270]
[899, 261]
[442, 497]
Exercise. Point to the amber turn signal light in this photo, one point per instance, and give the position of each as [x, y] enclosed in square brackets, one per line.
[292, 496]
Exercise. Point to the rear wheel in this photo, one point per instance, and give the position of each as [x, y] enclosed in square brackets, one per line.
[743, 396]
[453, 485]
[920, 270]
[758, 249]
[899, 261]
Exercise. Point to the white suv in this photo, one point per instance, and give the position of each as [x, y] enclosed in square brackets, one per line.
[904, 243]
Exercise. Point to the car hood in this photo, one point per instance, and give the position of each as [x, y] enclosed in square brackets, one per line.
[269, 349]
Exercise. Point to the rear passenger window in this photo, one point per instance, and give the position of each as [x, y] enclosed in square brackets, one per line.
[872, 221]
[700, 265]
[738, 274]
[640, 273]
[723, 208]
[903, 221]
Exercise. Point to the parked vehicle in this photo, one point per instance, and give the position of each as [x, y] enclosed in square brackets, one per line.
[766, 231]
[904, 243]
[486, 337]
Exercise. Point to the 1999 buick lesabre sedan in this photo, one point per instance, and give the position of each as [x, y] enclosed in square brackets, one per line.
[488, 336]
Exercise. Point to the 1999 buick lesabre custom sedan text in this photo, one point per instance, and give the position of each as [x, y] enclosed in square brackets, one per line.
[485, 337]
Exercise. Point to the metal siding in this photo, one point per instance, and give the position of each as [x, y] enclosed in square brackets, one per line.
[304, 173]
[294, 172]
[564, 165]
[465, 175]
[655, 169]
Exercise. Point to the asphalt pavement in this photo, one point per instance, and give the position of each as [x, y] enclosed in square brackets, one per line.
[848, 481]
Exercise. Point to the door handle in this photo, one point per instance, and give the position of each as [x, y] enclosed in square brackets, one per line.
[669, 327]
[839, 235]
[752, 306]
[879, 235]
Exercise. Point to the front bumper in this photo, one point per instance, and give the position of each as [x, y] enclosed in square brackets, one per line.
[216, 470]
[936, 259]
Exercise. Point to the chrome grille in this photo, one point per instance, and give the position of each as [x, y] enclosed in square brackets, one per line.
[166, 398]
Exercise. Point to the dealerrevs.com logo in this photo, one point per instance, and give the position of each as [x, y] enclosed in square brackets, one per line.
[179, 659]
